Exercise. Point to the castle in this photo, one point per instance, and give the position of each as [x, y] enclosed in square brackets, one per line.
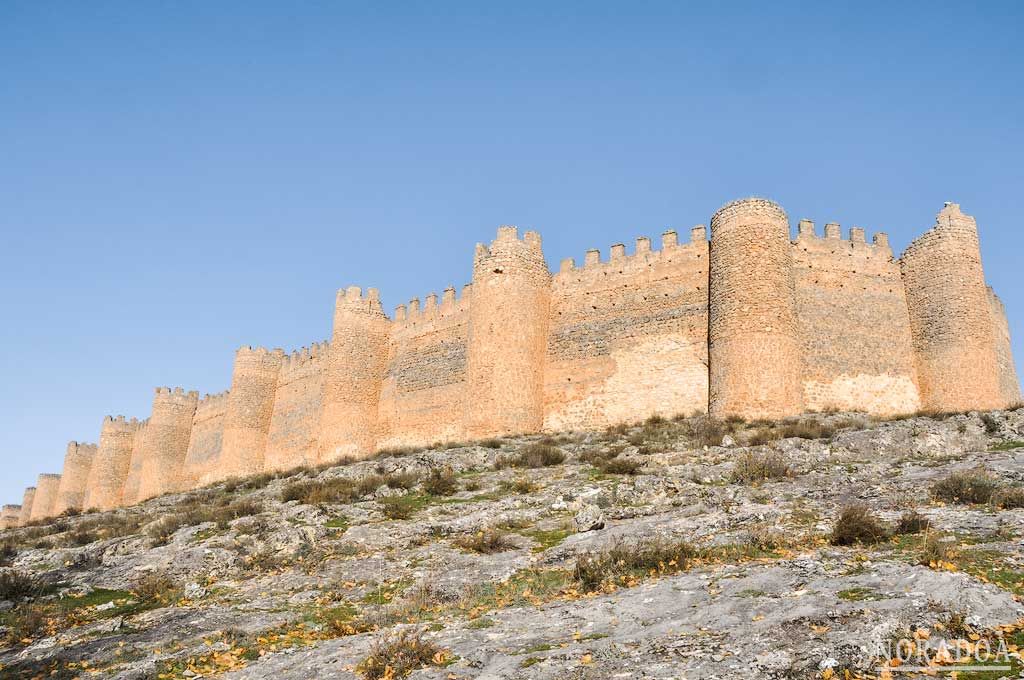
[751, 323]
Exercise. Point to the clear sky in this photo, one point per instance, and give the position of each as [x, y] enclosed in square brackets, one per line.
[181, 178]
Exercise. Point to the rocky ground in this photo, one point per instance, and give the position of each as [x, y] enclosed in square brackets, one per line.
[670, 549]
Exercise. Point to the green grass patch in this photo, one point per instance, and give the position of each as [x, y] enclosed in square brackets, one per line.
[546, 538]
[859, 594]
[338, 523]
[1008, 445]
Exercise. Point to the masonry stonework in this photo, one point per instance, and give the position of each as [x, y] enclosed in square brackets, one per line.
[756, 323]
[249, 408]
[26, 506]
[74, 478]
[165, 441]
[951, 317]
[133, 482]
[46, 496]
[753, 330]
[110, 466]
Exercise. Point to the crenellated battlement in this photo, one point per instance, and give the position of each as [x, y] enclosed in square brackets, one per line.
[351, 299]
[433, 307]
[303, 355]
[832, 238]
[120, 423]
[643, 255]
[176, 395]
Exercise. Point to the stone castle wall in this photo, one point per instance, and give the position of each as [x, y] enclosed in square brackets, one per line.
[628, 337]
[854, 324]
[298, 397]
[754, 322]
[423, 391]
[202, 459]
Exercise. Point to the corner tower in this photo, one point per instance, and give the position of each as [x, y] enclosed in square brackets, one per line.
[507, 337]
[355, 369]
[754, 349]
[247, 416]
[951, 320]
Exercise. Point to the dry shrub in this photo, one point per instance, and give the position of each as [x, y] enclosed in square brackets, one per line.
[912, 522]
[620, 466]
[441, 482]
[485, 542]
[533, 456]
[965, 487]
[520, 485]
[594, 569]
[857, 524]
[396, 507]
[491, 443]
[938, 548]
[8, 551]
[707, 431]
[325, 492]
[766, 538]
[16, 584]
[399, 654]
[1009, 498]
[155, 587]
[752, 467]
[23, 624]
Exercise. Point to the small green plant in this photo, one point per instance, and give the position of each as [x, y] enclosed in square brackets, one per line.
[397, 507]
[857, 524]
[991, 424]
[965, 487]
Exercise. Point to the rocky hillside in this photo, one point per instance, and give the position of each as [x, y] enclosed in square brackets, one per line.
[670, 549]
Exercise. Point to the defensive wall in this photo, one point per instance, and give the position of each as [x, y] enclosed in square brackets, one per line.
[758, 322]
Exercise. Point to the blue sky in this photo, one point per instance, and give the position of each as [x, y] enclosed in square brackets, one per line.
[178, 179]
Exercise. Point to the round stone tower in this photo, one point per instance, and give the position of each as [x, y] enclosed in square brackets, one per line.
[75, 477]
[754, 348]
[249, 408]
[110, 467]
[951, 317]
[508, 319]
[26, 506]
[165, 441]
[355, 369]
[46, 495]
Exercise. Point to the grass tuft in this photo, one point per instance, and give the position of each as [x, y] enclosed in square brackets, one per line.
[858, 525]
